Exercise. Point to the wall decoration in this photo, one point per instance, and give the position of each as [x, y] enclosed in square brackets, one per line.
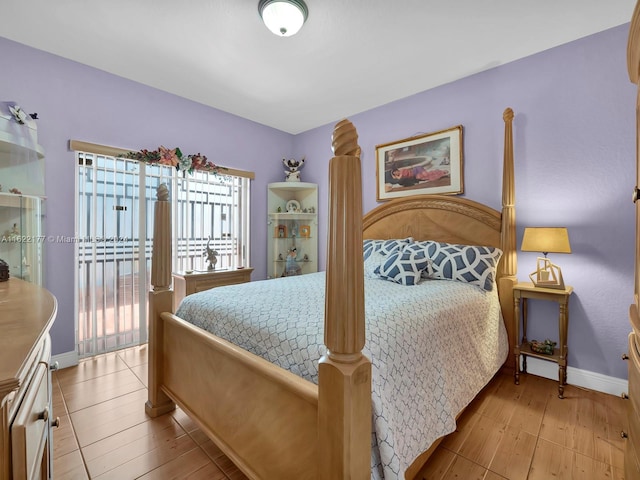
[292, 174]
[429, 163]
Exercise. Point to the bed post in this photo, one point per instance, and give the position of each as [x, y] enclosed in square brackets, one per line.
[344, 384]
[509, 262]
[160, 300]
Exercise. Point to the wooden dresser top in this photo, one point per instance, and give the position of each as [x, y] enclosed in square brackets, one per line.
[27, 312]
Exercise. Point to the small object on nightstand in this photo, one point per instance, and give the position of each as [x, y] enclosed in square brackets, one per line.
[212, 256]
[545, 347]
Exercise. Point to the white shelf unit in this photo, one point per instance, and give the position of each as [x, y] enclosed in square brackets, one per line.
[288, 229]
[21, 198]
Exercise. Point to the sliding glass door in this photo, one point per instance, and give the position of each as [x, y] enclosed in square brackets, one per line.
[114, 228]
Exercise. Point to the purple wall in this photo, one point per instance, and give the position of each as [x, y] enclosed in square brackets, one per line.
[74, 101]
[574, 140]
[574, 146]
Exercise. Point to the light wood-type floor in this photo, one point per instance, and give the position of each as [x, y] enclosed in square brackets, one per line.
[509, 432]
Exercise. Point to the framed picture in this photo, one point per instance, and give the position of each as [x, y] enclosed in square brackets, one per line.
[280, 231]
[430, 163]
[305, 231]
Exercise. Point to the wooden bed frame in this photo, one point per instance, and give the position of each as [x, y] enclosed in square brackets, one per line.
[268, 421]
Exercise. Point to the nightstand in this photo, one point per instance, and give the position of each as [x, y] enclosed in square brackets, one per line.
[525, 291]
[187, 283]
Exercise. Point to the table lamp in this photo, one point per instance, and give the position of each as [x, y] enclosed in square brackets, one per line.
[546, 240]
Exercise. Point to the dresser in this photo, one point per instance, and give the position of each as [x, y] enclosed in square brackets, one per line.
[632, 447]
[193, 282]
[27, 312]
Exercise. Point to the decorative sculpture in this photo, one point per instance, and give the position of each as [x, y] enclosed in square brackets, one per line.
[291, 266]
[294, 166]
[212, 256]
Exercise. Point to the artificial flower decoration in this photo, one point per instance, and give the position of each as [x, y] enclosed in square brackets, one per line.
[175, 158]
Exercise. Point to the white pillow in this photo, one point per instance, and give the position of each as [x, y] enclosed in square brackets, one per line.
[372, 263]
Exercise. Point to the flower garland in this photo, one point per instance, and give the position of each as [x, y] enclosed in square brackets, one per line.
[175, 158]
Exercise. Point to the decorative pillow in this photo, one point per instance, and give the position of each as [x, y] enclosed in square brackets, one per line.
[404, 267]
[372, 263]
[464, 263]
[383, 246]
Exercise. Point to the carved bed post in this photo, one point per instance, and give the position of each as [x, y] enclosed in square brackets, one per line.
[160, 300]
[344, 397]
[509, 262]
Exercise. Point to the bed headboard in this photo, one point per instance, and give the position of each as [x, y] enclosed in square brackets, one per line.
[458, 220]
[435, 217]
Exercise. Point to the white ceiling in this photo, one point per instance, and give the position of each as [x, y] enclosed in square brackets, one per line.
[350, 56]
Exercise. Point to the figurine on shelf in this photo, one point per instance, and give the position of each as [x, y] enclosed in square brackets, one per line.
[14, 232]
[291, 267]
[211, 256]
[294, 166]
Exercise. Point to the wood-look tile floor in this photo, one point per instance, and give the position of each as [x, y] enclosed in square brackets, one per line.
[509, 431]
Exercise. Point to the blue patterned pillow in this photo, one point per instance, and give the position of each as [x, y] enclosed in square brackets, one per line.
[383, 246]
[464, 263]
[404, 267]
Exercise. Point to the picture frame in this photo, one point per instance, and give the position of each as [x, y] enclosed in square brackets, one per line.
[424, 164]
[305, 231]
[280, 231]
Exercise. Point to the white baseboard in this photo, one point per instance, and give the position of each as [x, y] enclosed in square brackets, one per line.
[579, 378]
[68, 359]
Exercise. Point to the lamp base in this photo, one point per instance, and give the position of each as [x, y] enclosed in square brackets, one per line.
[547, 275]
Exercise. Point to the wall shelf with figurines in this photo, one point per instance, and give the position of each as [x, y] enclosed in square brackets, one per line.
[292, 219]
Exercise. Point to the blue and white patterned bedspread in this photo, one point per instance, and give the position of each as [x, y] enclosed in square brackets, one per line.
[432, 346]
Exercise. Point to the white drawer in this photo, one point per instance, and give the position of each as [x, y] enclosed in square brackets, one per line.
[29, 431]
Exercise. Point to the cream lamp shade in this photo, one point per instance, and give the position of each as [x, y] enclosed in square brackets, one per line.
[283, 17]
[546, 240]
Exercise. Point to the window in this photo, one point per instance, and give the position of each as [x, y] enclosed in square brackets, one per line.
[113, 241]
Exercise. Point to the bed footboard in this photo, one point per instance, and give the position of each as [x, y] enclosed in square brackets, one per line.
[262, 417]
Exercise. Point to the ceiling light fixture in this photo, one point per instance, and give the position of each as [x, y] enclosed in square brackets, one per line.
[283, 17]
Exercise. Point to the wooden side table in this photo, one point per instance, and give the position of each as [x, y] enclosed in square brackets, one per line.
[525, 291]
[187, 283]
